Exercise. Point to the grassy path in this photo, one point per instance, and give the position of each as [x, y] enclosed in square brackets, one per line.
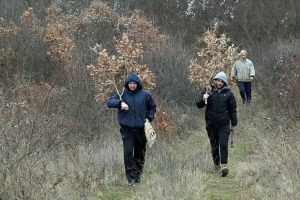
[185, 168]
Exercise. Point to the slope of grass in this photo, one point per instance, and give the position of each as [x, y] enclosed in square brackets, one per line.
[182, 168]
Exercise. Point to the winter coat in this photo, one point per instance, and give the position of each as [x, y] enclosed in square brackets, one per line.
[221, 107]
[140, 102]
[243, 70]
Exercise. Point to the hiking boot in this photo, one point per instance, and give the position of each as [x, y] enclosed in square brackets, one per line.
[224, 170]
[217, 168]
[131, 182]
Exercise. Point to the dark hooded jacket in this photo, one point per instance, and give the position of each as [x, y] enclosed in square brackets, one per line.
[220, 108]
[140, 102]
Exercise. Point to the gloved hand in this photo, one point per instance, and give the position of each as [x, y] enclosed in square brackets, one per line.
[251, 78]
[150, 118]
[124, 106]
[205, 96]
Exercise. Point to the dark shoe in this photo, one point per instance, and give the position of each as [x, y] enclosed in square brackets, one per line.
[138, 179]
[224, 170]
[243, 101]
[131, 182]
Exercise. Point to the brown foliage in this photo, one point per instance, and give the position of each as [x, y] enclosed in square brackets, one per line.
[57, 34]
[110, 71]
[214, 55]
[162, 121]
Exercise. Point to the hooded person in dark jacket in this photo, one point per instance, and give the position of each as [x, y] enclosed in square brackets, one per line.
[220, 112]
[134, 107]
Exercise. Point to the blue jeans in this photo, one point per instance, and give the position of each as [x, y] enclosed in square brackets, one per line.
[245, 91]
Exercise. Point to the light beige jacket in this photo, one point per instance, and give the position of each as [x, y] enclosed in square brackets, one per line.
[243, 70]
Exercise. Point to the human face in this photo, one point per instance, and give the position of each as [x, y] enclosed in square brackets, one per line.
[243, 56]
[132, 86]
[219, 83]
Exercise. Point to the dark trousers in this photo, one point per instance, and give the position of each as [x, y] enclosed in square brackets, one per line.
[134, 145]
[218, 136]
[245, 91]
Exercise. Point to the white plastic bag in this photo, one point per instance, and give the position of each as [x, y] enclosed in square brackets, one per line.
[150, 133]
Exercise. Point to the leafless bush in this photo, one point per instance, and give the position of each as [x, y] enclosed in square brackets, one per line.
[280, 77]
[46, 152]
[169, 63]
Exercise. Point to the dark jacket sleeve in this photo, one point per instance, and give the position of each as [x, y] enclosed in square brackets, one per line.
[151, 108]
[114, 102]
[232, 110]
[200, 103]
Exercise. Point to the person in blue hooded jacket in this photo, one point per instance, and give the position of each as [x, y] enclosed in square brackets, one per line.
[134, 107]
[220, 112]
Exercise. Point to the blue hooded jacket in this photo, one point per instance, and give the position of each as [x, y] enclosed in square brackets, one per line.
[140, 102]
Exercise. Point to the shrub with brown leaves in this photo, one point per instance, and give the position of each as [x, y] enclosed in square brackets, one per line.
[57, 34]
[215, 54]
[109, 72]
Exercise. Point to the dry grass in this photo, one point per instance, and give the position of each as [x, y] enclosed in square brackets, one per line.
[56, 142]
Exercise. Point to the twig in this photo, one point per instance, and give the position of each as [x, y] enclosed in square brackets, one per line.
[231, 137]
[115, 85]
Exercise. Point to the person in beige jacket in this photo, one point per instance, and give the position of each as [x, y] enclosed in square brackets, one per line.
[243, 71]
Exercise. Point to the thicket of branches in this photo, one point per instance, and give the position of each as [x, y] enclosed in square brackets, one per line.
[280, 77]
[48, 106]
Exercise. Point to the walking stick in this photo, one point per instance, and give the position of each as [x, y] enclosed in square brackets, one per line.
[231, 137]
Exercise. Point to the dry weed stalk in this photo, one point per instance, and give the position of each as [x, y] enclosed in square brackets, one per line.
[214, 55]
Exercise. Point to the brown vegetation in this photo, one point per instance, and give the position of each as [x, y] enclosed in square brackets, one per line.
[57, 142]
[215, 54]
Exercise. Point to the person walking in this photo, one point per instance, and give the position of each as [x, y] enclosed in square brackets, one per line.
[220, 112]
[134, 107]
[243, 71]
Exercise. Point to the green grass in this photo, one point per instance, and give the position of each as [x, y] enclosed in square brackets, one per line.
[116, 192]
[224, 188]
[211, 185]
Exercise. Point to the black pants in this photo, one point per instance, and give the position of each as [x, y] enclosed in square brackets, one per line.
[245, 91]
[218, 136]
[134, 145]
